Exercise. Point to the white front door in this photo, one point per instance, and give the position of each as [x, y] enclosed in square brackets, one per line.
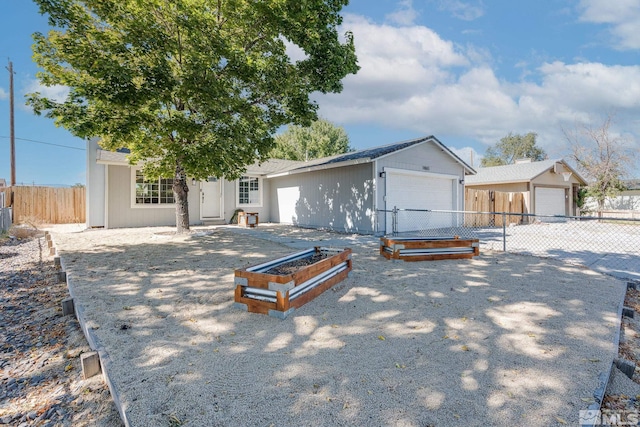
[211, 198]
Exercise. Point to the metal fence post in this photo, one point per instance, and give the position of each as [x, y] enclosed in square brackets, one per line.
[504, 232]
[394, 221]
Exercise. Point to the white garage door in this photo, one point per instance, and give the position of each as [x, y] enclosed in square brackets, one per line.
[549, 201]
[414, 190]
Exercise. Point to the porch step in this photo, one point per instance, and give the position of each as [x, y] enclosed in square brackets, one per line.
[213, 222]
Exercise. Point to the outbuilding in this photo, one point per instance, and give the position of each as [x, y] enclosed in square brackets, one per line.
[549, 187]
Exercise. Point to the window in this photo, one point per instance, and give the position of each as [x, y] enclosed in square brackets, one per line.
[156, 192]
[249, 191]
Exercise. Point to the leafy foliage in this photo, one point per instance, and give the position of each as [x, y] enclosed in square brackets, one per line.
[513, 147]
[321, 139]
[192, 87]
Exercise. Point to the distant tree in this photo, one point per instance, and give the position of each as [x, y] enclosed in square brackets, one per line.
[77, 185]
[193, 88]
[511, 148]
[321, 139]
[602, 157]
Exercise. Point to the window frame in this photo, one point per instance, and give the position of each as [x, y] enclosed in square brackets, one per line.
[152, 205]
[251, 204]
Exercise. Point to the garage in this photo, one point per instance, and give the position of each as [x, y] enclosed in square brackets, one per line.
[549, 201]
[407, 189]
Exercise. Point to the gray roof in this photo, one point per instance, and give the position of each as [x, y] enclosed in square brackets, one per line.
[632, 184]
[519, 172]
[278, 166]
[368, 154]
[273, 166]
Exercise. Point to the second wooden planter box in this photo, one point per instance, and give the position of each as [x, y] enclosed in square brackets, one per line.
[261, 290]
[428, 248]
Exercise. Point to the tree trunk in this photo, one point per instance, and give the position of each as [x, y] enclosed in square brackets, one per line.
[600, 207]
[181, 193]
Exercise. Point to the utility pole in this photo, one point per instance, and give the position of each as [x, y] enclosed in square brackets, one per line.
[12, 130]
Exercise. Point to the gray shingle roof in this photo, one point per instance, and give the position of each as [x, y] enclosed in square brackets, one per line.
[276, 166]
[369, 154]
[273, 166]
[519, 172]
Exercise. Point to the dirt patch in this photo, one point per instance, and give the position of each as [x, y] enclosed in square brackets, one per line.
[293, 266]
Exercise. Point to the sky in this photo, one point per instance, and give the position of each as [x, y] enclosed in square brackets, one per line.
[468, 72]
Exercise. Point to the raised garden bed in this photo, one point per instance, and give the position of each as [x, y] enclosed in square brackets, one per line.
[280, 286]
[428, 248]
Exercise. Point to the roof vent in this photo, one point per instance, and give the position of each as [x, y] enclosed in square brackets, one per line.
[426, 168]
[526, 160]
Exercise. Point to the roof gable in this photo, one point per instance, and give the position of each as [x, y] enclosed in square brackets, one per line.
[369, 154]
[518, 172]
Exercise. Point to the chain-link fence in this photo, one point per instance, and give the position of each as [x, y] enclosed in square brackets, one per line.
[608, 245]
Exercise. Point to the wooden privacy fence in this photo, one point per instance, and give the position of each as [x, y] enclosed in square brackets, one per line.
[493, 201]
[47, 205]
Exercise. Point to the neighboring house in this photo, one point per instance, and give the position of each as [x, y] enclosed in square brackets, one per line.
[3, 183]
[341, 192]
[627, 200]
[549, 186]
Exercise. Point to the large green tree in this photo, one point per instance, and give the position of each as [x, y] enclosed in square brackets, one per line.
[511, 148]
[321, 139]
[194, 88]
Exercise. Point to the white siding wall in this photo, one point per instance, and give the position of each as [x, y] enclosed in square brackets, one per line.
[230, 200]
[338, 198]
[95, 187]
[121, 214]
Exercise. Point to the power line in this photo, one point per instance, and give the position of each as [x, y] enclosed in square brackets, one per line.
[46, 143]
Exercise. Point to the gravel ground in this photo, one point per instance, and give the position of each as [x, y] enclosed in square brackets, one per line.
[499, 340]
[40, 375]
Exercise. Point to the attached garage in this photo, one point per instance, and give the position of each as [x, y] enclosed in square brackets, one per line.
[549, 201]
[406, 189]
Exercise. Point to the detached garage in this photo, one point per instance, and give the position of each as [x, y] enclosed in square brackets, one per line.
[549, 187]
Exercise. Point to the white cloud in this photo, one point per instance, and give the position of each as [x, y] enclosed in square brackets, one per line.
[294, 51]
[57, 93]
[467, 11]
[468, 155]
[622, 15]
[3, 94]
[405, 15]
[412, 79]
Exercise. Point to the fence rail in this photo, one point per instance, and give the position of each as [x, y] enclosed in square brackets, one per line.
[607, 244]
[47, 205]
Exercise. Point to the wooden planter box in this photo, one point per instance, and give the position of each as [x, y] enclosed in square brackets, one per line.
[428, 248]
[278, 295]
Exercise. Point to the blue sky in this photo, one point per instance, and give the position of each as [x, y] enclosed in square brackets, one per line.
[467, 71]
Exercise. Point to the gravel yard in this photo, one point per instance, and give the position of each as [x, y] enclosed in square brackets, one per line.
[40, 376]
[499, 340]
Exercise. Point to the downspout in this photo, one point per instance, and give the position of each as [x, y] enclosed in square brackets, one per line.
[375, 218]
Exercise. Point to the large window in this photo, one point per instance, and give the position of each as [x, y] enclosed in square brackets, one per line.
[156, 192]
[249, 191]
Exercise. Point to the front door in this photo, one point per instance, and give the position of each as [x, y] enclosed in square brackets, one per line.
[211, 198]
